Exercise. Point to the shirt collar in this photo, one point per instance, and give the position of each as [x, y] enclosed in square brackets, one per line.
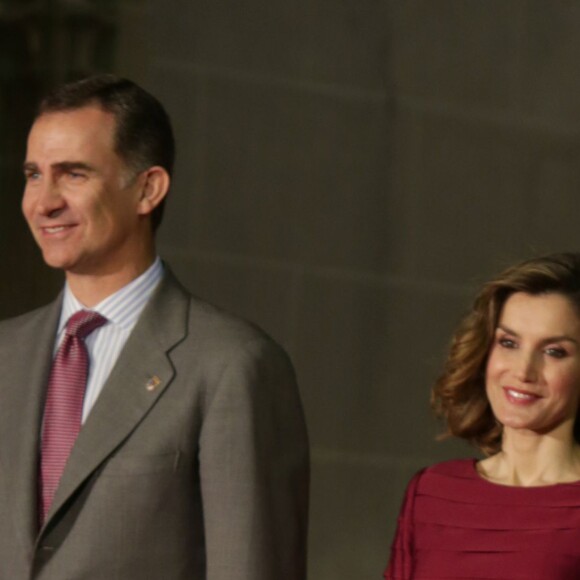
[124, 306]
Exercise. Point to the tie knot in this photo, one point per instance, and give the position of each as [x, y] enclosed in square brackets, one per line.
[83, 322]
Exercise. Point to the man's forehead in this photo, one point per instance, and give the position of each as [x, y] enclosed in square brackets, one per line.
[90, 118]
[90, 108]
[69, 128]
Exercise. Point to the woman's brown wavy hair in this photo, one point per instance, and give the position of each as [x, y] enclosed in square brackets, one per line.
[458, 396]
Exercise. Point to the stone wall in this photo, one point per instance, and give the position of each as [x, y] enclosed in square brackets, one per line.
[348, 172]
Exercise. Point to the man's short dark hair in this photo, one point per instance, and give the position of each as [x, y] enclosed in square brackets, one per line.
[143, 135]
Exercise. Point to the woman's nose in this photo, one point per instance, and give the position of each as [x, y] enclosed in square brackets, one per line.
[527, 367]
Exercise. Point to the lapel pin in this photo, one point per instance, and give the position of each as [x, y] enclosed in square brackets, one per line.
[153, 383]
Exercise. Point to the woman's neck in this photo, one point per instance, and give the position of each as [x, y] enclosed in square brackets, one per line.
[528, 459]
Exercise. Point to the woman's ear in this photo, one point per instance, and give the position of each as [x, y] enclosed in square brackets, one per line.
[155, 185]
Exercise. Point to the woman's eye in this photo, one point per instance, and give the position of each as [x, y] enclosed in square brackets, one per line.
[507, 343]
[556, 352]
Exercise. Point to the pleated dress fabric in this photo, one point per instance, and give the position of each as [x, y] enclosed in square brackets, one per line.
[456, 525]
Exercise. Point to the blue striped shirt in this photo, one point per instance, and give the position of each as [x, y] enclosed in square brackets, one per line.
[122, 310]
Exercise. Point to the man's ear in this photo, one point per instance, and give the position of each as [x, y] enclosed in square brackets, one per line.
[154, 188]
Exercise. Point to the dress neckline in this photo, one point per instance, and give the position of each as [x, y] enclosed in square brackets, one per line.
[480, 477]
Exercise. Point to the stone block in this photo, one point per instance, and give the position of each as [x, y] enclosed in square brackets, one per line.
[468, 181]
[263, 294]
[354, 506]
[182, 94]
[465, 53]
[367, 355]
[555, 200]
[341, 43]
[296, 177]
[136, 45]
[548, 84]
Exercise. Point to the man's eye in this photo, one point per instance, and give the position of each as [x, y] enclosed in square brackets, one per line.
[31, 175]
[75, 177]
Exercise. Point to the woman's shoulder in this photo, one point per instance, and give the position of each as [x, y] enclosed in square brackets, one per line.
[453, 468]
[445, 475]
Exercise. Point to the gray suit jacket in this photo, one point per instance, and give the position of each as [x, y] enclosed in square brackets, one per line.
[204, 476]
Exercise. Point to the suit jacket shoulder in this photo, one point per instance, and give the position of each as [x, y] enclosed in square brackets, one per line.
[15, 330]
[222, 343]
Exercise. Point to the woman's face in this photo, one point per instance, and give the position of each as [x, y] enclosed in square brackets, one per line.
[533, 369]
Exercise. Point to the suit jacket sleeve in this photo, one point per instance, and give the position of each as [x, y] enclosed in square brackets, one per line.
[254, 469]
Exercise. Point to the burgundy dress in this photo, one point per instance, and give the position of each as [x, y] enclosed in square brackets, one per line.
[455, 524]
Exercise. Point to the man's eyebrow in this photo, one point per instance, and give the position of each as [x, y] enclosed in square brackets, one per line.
[61, 166]
[70, 165]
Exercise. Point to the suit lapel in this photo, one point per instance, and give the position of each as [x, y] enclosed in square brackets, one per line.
[141, 374]
[24, 379]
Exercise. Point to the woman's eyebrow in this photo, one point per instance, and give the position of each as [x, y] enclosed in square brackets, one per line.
[556, 338]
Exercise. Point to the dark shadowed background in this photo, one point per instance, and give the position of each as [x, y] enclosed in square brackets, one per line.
[348, 172]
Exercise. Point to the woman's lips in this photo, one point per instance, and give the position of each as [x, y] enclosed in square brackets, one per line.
[519, 397]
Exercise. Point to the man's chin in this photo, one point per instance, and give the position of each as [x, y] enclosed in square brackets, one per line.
[58, 262]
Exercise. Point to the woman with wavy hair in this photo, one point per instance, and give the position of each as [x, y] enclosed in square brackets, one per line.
[511, 387]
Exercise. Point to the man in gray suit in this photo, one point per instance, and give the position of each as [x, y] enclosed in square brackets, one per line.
[190, 460]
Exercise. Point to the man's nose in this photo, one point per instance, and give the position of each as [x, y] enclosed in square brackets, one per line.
[50, 201]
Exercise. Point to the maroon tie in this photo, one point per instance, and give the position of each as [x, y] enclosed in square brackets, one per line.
[64, 403]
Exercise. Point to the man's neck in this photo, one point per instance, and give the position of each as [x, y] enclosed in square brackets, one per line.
[90, 289]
